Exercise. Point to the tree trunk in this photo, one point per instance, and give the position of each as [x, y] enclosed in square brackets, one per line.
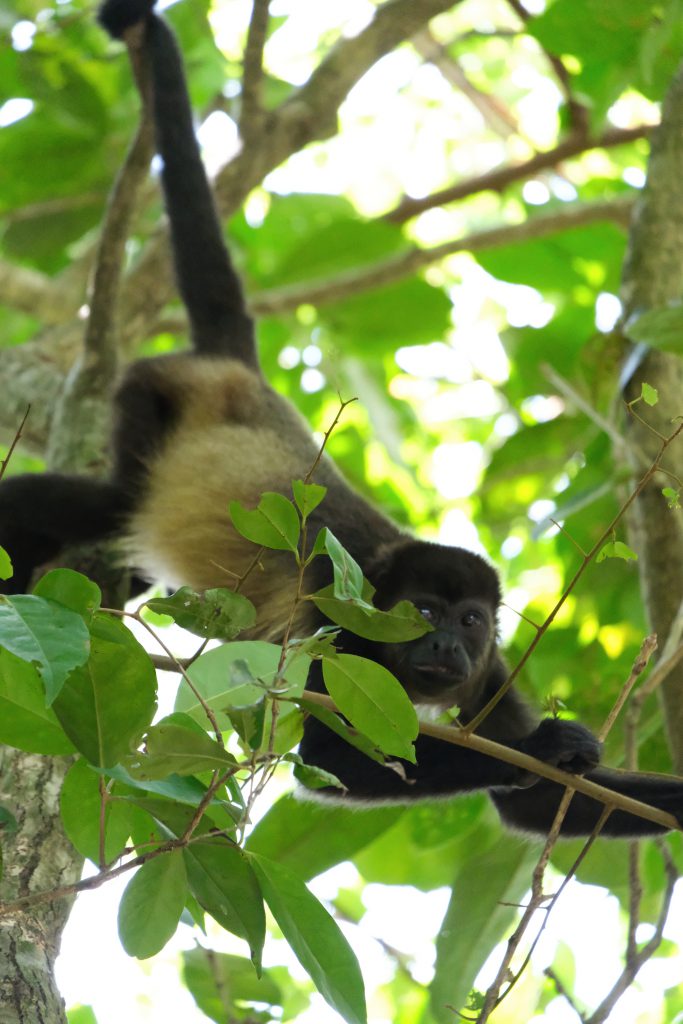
[653, 277]
[37, 856]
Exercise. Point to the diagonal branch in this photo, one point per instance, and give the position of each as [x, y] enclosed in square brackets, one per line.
[350, 282]
[499, 178]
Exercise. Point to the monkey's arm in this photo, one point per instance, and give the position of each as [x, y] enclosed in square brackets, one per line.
[533, 810]
[41, 514]
[444, 768]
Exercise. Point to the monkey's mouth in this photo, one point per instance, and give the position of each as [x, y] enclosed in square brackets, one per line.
[443, 676]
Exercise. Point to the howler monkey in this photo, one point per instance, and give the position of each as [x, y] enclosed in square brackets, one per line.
[195, 431]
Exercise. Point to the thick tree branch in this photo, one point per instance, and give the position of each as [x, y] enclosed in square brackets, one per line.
[29, 291]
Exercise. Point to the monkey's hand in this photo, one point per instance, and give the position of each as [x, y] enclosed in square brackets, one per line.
[566, 745]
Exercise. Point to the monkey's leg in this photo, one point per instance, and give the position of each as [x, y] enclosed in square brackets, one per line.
[42, 513]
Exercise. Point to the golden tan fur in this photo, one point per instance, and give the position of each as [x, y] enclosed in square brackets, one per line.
[182, 532]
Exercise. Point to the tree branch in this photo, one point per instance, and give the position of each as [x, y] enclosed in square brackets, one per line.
[499, 178]
[492, 110]
[251, 114]
[351, 282]
[452, 734]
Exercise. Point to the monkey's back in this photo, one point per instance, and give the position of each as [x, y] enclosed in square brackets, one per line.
[230, 438]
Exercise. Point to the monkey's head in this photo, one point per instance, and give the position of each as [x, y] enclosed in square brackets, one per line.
[458, 593]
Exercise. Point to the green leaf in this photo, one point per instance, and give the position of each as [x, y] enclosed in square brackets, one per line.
[616, 549]
[249, 723]
[374, 702]
[6, 568]
[217, 614]
[219, 677]
[348, 577]
[311, 836]
[180, 789]
[222, 983]
[307, 496]
[659, 328]
[337, 724]
[81, 1015]
[649, 394]
[673, 497]
[105, 705]
[477, 918]
[172, 748]
[71, 589]
[45, 633]
[25, 721]
[223, 881]
[311, 776]
[402, 622]
[274, 523]
[151, 905]
[80, 808]
[315, 939]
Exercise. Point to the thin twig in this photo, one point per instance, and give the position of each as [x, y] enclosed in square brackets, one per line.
[642, 483]
[494, 997]
[561, 990]
[100, 341]
[623, 446]
[647, 649]
[497, 180]
[15, 440]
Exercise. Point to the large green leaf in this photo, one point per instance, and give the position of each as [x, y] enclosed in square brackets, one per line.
[171, 748]
[373, 701]
[71, 589]
[485, 890]
[45, 633]
[226, 678]
[25, 721]
[106, 704]
[310, 837]
[274, 523]
[222, 879]
[151, 905]
[81, 810]
[315, 938]
[402, 622]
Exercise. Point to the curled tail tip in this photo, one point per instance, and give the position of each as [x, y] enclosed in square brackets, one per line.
[118, 15]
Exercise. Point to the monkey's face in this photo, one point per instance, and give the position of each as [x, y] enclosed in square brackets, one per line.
[446, 666]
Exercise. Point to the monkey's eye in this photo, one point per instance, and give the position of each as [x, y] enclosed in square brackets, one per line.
[470, 619]
[427, 611]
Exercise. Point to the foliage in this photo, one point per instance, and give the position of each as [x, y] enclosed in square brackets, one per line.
[74, 680]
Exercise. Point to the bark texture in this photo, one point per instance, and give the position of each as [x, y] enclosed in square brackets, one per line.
[36, 856]
[653, 277]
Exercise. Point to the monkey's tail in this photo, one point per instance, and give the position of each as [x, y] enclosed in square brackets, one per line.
[208, 283]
